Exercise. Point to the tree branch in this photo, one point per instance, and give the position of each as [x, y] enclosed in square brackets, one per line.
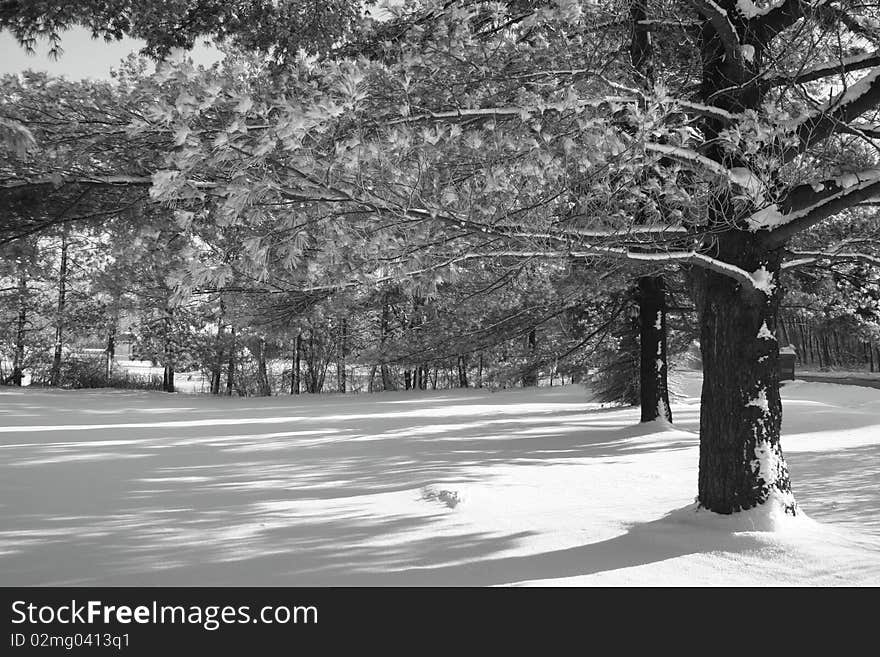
[846, 65]
[720, 22]
[862, 96]
[780, 18]
[812, 257]
[807, 206]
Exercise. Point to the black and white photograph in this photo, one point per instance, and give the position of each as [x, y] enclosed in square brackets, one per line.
[437, 293]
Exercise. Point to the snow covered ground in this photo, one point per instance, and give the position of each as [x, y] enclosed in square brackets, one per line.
[111, 487]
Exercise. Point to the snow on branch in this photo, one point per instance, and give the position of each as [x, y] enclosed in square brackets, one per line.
[859, 98]
[524, 113]
[488, 113]
[690, 158]
[751, 281]
[720, 22]
[650, 23]
[708, 110]
[57, 181]
[701, 260]
[819, 71]
[801, 258]
[738, 177]
[780, 17]
[750, 10]
[807, 205]
[869, 130]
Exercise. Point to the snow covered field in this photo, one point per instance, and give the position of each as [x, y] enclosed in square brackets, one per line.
[110, 487]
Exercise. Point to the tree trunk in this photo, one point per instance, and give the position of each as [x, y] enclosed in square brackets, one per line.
[168, 354]
[55, 376]
[387, 383]
[530, 378]
[654, 392]
[18, 354]
[741, 461]
[340, 360]
[294, 372]
[653, 389]
[462, 371]
[217, 367]
[265, 389]
[230, 368]
[110, 351]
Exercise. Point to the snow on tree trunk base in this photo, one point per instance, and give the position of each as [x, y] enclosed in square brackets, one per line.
[741, 461]
[771, 516]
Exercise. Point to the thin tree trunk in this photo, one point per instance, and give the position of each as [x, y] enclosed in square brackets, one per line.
[230, 366]
[653, 389]
[654, 393]
[110, 351]
[462, 371]
[265, 389]
[294, 370]
[18, 354]
[387, 383]
[55, 376]
[168, 353]
[217, 367]
[530, 378]
[340, 360]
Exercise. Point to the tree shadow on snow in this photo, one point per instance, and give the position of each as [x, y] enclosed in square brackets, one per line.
[252, 497]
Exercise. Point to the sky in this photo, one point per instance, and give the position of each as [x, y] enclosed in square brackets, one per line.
[83, 57]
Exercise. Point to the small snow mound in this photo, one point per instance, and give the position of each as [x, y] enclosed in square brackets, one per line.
[450, 498]
[770, 516]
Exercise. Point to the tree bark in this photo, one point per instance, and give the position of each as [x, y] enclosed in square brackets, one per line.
[654, 392]
[294, 372]
[110, 351]
[340, 360]
[217, 368]
[387, 383]
[21, 325]
[530, 378]
[168, 354]
[55, 376]
[741, 461]
[462, 371]
[265, 389]
[230, 368]
[653, 388]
